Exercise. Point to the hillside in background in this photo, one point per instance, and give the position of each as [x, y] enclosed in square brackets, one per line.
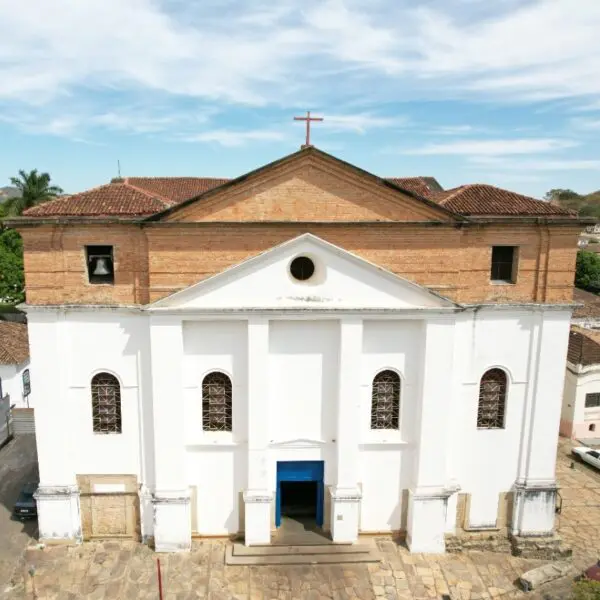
[586, 205]
[7, 192]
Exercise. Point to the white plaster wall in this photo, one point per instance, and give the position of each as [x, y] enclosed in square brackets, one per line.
[12, 383]
[98, 342]
[398, 346]
[569, 397]
[486, 462]
[384, 477]
[219, 475]
[586, 382]
[303, 370]
[214, 346]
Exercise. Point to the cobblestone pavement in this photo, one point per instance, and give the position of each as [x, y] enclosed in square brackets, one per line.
[110, 569]
[18, 464]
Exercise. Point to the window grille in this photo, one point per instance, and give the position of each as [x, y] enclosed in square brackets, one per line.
[216, 402]
[106, 403]
[492, 400]
[592, 400]
[385, 404]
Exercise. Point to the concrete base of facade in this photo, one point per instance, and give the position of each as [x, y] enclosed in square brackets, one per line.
[345, 512]
[426, 521]
[257, 517]
[172, 522]
[59, 519]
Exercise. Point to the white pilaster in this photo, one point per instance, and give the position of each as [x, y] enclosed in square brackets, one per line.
[172, 520]
[258, 495]
[535, 487]
[57, 495]
[345, 495]
[428, 497]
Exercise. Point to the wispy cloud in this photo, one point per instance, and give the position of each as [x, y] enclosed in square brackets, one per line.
[361, 122]
[537, 164]
[231, 138]
[324, 51]
[499, 147]
[584, 124]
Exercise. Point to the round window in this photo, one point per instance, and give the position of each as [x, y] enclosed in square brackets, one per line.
[302, 268]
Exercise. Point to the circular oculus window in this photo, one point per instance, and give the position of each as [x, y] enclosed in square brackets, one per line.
[302, 268]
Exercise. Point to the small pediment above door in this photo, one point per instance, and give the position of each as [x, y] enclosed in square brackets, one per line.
[297, 443]
[305, 273]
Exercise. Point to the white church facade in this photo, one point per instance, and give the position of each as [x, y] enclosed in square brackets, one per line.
[306, 367]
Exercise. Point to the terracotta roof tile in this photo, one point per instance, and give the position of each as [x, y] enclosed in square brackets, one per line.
[176, 189]
[424, 186]
[115, 199]
[483, 199]
[591, 305]
[14, 343]
[584, 346]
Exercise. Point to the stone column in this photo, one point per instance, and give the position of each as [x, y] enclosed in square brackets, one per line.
[171, 498]
[258, 496]
[57, 495]
[428, 497]
[535, 487]
[345, 494]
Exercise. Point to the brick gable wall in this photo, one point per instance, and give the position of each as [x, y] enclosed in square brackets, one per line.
[153, 261]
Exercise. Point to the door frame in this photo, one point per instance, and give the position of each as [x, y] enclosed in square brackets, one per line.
[301, 470]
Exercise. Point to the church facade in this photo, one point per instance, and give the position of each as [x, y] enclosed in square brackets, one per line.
[389, 351]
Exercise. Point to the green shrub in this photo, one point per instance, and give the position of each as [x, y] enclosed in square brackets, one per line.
[586, 590]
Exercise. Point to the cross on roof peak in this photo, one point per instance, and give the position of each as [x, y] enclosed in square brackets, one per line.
[308, 120]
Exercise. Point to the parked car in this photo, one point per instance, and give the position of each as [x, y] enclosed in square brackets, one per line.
[588, 455]
[25, 506]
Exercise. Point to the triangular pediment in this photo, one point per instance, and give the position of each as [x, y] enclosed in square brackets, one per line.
[341, 281]
[308, 186]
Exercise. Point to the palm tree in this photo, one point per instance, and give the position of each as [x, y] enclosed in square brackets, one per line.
[35, 188]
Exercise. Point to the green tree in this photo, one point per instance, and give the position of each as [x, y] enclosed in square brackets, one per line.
[587, 272]
[35, 188]
[12, 280]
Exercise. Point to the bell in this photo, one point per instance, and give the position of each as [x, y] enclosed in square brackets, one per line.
[102, 267]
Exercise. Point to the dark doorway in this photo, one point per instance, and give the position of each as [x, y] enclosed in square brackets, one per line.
[299, 499]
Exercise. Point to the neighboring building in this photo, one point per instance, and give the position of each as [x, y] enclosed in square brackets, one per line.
[393, 359]
[14, 364]
[581, 401]
[588, 314]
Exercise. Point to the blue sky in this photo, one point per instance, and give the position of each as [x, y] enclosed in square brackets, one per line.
[504, 92]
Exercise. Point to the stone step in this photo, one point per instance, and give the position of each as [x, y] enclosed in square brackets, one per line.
[242, 550]
[331, 558]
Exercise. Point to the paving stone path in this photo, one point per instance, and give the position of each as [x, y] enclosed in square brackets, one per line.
[111, 569]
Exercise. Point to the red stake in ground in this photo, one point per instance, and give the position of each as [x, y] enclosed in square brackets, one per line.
[308, 120]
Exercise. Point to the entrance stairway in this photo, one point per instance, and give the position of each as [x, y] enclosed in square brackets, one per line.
[323, 554]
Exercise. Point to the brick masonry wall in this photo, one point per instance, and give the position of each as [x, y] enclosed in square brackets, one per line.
[154, 261]
[348, 208]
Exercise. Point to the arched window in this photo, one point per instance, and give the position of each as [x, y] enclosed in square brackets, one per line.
[106, 403]
[216, 402]
[385, 405]
[492, 400]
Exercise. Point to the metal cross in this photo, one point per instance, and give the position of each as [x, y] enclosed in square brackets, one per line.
[308, 119]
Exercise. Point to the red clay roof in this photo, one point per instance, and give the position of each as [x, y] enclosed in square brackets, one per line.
[14, 343]
[483, 199]
[591, 305]
[113, 199]
[584, 346]
[424, 186]
[145, 196]
[176, 189]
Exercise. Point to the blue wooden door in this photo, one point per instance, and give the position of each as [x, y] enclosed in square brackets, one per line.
[305, 470]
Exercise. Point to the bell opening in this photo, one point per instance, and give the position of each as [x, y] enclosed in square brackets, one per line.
[100, 264]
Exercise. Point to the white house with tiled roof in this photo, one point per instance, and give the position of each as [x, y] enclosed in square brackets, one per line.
[14, 364]
[305, 343]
